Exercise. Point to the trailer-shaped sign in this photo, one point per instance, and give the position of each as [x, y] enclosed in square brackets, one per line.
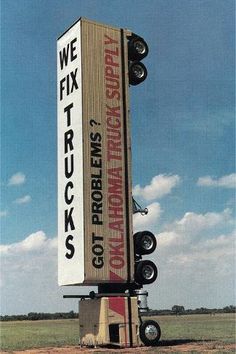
[95, 240]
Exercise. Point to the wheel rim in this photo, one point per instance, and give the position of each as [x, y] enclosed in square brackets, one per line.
[148, 272]
[151, 332]
[147, 242]
[140, 47]
[138, 71]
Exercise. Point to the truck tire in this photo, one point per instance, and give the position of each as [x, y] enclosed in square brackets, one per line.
[145, 272]
[137, 73]
[150, 332]
[144, 242]
[137, 48]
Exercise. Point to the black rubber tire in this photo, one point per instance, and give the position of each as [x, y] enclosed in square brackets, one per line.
[134, 48]
[141, 267]
[151, 338]
[144, 242]
[134, 67]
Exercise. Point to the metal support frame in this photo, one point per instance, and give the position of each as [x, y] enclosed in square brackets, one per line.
[138, 209]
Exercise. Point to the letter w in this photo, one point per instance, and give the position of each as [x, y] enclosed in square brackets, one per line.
[64, 55]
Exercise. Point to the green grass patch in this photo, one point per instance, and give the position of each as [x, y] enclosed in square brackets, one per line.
[220, 327]
[22, 335]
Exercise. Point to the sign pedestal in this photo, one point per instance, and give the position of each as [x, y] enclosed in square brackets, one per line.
[106, 321]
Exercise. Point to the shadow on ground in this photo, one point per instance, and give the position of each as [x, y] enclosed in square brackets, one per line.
[172, 342]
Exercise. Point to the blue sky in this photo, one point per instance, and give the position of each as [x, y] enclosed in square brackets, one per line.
[182, 120]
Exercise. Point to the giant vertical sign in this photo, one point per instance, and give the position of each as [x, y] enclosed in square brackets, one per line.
[95, 242]
[70, 159]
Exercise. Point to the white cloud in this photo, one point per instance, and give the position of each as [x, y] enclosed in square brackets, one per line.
[192, 228]
[195, 256]
[34, 242]
[194, 223]
[29, 269]
[159, 186]
[17, 179]
[228, 181]
[3, 213]
[23, 200]
[143, 222]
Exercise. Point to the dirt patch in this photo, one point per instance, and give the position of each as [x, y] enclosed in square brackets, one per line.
[182, 346]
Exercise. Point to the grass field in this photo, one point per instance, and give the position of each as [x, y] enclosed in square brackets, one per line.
[57, 333]
[219, 327]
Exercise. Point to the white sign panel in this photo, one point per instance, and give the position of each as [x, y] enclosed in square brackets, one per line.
[70, 159]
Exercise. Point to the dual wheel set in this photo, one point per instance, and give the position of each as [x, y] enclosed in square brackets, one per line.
[145, 270]
[137, 50]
